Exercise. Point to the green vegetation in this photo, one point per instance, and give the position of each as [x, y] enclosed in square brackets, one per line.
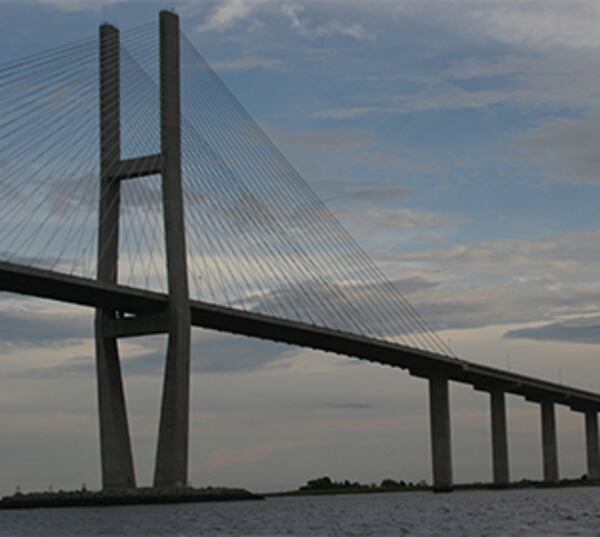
[326, 484]
[142, 495]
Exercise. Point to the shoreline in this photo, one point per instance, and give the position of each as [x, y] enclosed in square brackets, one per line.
[517, 485]
[154, 496]
[138, 496]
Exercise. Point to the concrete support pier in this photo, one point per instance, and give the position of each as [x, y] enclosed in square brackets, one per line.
[499, 438]
[549, 444]
[172, 451]
[115, 443]
[441, 451]
[592, 444]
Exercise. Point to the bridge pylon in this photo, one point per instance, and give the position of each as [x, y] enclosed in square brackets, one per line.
[172, 450]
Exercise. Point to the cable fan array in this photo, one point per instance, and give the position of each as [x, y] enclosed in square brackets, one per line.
[49, 156]
[258, 237]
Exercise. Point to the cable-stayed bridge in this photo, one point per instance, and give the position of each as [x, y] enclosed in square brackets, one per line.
[133, 182]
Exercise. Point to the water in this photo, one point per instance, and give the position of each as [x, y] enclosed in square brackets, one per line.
[548, 512]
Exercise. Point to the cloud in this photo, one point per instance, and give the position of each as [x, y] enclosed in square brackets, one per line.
[557, 255]
[530, 23]
[566, 148]
[77, 5]
[325, 140]
[211, 353]
[578, 330]
[515, 71]
[398, 219]
[335, 27]
[538, 53]
[227, 13]
[235, 354]
[330, 28]
[532, 82]
[37, 329]
[249, 455]
[76, 367]
[476, 67]
[366, 306]
[434, 93]
[351, 112]
[377, 192]
[349, 406]
[482, 305]
[345, 161]
[539, 23]
[509, 281]
[30, 260]
[249, 63]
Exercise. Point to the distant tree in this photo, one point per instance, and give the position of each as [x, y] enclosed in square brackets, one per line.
[319, 483]
[326, 483]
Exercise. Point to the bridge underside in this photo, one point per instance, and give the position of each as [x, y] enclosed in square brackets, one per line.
[138, 305]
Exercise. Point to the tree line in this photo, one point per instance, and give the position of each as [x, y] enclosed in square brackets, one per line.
[326, 483]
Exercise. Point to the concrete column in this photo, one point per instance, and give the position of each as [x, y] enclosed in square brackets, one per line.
[549, 445]
[115, 444]
[441, 451]
[172, 451]
[591, 442]
[499, 438]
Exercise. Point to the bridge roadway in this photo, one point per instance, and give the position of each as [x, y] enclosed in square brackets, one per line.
[87, 292]
[437, 368]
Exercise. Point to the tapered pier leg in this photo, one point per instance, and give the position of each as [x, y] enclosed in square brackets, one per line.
[115, 444]
[549, 444]
[499, 438]
[441, 451]
[592, 445]
[172, 452]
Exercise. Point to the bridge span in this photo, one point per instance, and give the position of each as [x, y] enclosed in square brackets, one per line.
[141, 312]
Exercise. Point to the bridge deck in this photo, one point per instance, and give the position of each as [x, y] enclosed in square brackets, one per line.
[92, 293]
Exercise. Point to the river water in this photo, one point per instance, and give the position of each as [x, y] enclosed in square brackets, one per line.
[547, 512]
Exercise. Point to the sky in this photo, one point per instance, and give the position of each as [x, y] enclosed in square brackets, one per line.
[455, 140]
